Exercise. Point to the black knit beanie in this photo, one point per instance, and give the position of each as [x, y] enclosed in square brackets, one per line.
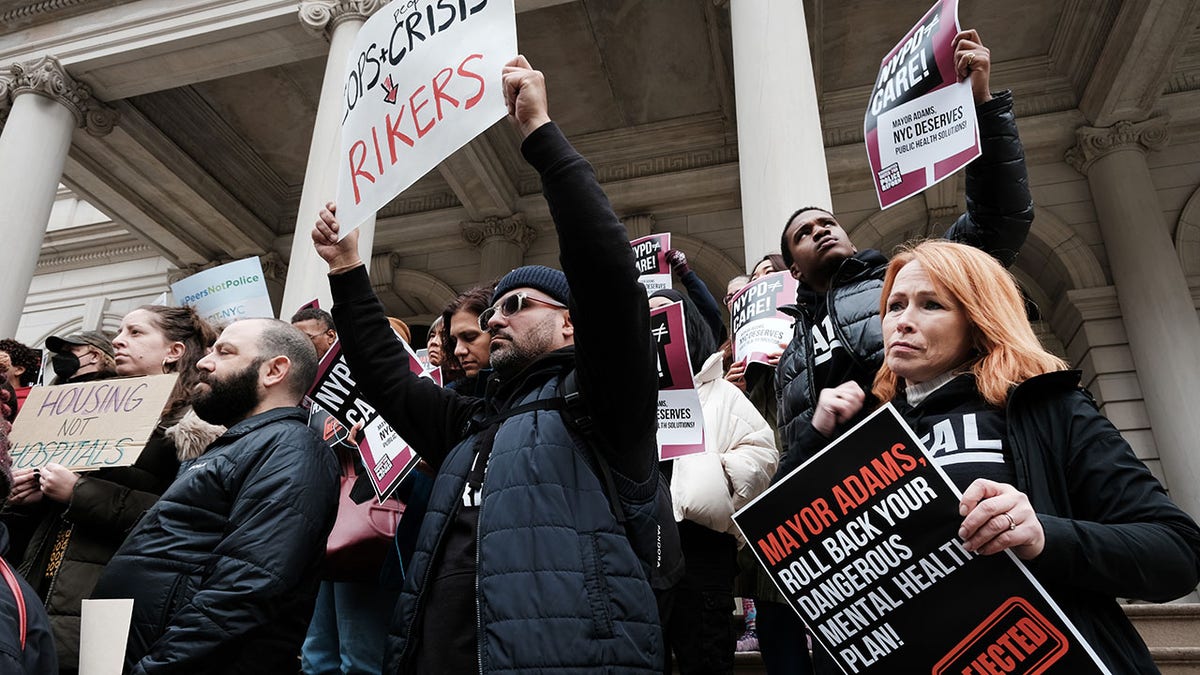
[545, 279]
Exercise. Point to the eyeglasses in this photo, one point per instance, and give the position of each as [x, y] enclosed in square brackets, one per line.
[314, 336]
[511, 305]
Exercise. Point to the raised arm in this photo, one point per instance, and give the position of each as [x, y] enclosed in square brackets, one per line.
[615, 357]
[429, 418]
[999, 203]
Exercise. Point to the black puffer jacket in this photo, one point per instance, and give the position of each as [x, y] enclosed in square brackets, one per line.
[1111, 531]
[999, 214]
[223, 569]
[37, 656]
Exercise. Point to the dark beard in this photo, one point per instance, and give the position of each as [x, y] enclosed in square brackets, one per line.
[230, 400]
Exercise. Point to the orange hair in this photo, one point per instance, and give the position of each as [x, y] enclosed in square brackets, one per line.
[1009, 351]
[401, 328]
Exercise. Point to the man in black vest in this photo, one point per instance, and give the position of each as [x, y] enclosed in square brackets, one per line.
[521, 563]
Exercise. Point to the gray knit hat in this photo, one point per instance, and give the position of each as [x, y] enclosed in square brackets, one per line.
[545, 279]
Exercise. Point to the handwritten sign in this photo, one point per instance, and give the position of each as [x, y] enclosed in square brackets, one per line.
[650, 256]
[236, 290]
[920, 126]
[680, 418]
[424, 79]
[89, 425]
[755, 320]
[862, 540]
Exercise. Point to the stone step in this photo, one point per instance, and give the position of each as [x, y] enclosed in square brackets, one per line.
[1171, 631]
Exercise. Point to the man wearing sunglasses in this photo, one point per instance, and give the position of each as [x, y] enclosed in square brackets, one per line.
[521, 564]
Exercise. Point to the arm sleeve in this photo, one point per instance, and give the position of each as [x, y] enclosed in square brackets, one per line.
[1125, 537]
[808, 442]
[999, 203]
[706, 303]
[427, 417]
[277, 529]
[102, 504]
[751, 459]
[615, 357]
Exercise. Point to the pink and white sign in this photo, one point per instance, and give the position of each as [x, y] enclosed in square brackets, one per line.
[920, 125]
[680, 419]
[757, 325]
[650, 256]
[424, 78]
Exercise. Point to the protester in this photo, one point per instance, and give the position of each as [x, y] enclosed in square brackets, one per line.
[81, 357]
[738, 461]
[769, 264]
[26, 641]
[836, 335]
[78, 521]
[1043, 473]
[22, 364]
[223, 570]
[317, 324]
[350, 617]
[524, 566]
[468, 345]
[433, 343]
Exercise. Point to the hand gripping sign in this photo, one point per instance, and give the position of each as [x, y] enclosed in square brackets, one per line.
[862, 540]
[423, 80]
[920, 125]
[650, 256]
[680, 419]
[755, 320]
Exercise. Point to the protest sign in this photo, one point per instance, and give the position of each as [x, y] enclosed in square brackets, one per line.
[235, 290]
[862, 541]
[424, 78]
[920, 125]
[103, 635]
[680, 419]
[89, 425]
[650, 256]
[386, 457]
[755, 320]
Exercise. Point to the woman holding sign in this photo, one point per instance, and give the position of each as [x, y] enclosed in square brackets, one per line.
[84, 519]
[738, 461]
[1043, 473]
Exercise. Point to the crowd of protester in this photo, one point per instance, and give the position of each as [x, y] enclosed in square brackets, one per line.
[521, 539]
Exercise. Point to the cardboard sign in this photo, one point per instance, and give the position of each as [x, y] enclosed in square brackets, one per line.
[386, 457]
[920, 125]
[863, 542]
[755, 320]
[103, 635]
[650, 256]
[89, 425]
[424, 78]
[235, 290]
[680, 419]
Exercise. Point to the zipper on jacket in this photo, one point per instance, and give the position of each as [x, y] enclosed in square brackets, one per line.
[478, 543]
[841, 336]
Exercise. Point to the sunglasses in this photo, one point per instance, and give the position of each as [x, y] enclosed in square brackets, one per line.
[511, 305]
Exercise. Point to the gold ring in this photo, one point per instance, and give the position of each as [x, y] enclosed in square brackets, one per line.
[970, 58]
[1012, 524]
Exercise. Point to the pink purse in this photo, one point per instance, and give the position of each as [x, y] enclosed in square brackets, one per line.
[362, 533]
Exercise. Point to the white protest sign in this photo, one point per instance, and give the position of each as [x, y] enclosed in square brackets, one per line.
[680, 417]
[757, 325]
[424, 79]
[235, 290]
[103, 634]
[920, 125]
[89, 425]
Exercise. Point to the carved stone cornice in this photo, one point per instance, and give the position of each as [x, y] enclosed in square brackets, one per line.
[322, 16]
[513, 229]
[47, 77]
[186, 271]
[274, 267]
[638, 225]
[1093, 143]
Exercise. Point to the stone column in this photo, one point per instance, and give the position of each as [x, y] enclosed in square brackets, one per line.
[338, 21]
[44, 106]
[502, 243]
[781, 152]
[1156, 304]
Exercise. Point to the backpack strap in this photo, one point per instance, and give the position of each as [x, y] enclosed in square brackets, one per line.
[11, 580]
[576, 415]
